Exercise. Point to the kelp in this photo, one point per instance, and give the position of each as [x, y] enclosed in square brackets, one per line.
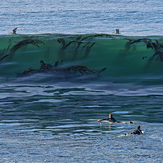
[83, 55]
[10, 51]
[77, 71]
[25, 42]
[3, 53]
[150, 44]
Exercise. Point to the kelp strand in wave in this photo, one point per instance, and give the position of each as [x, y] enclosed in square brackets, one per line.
[63, 72]
[25, 42]
[122, 55]
[87, 47]
[79, 41]
[7, 52]
[158, 54]
[156, 46]
[3, 53]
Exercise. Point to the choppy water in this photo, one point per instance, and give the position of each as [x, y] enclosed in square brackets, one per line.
[54, 123]
[50, 113]
[73, 16]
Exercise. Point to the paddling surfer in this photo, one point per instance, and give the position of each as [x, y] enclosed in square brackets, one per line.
[14, 30]
[116, 31]
[138, 131]
[111, 119]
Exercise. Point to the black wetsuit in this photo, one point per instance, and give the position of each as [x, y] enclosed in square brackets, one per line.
[109, 119]
[137, 132]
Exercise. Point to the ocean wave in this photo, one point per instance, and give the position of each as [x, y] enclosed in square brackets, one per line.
[84, 55]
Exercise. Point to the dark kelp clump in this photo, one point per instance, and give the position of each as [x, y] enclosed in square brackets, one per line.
[70, 72]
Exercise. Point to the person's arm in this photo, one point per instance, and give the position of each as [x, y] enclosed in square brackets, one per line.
[101, 120]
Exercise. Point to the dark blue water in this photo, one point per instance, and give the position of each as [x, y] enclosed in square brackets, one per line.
[50, 115]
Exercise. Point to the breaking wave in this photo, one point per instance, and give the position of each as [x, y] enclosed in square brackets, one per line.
[83, 56]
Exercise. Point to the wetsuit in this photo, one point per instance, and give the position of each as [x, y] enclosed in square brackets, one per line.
[137, 132]
[109, 119]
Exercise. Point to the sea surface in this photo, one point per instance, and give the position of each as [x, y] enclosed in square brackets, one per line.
[65, 69]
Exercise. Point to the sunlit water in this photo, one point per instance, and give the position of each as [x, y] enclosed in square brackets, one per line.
[57, 122]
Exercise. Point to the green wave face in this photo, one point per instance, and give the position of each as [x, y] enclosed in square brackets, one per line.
[103, 55]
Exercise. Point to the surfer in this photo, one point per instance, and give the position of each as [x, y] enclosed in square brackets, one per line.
[116, 31]
[112, 120]
[14, 30]
[138, 131]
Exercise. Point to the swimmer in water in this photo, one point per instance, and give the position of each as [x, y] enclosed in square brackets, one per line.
[112, 120]
[14, 31]
[138, 131]
[116, 31]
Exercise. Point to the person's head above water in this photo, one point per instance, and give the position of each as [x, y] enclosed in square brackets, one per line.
[138, 127]
[137, 131]
[110, 115]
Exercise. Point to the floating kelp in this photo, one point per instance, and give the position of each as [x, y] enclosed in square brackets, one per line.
[25, 42]
[80, 40]
[150, 44]
[77, 71]
[124, 56]
[10, 51]
[3, 53]
[158, 54]
[80, 44]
